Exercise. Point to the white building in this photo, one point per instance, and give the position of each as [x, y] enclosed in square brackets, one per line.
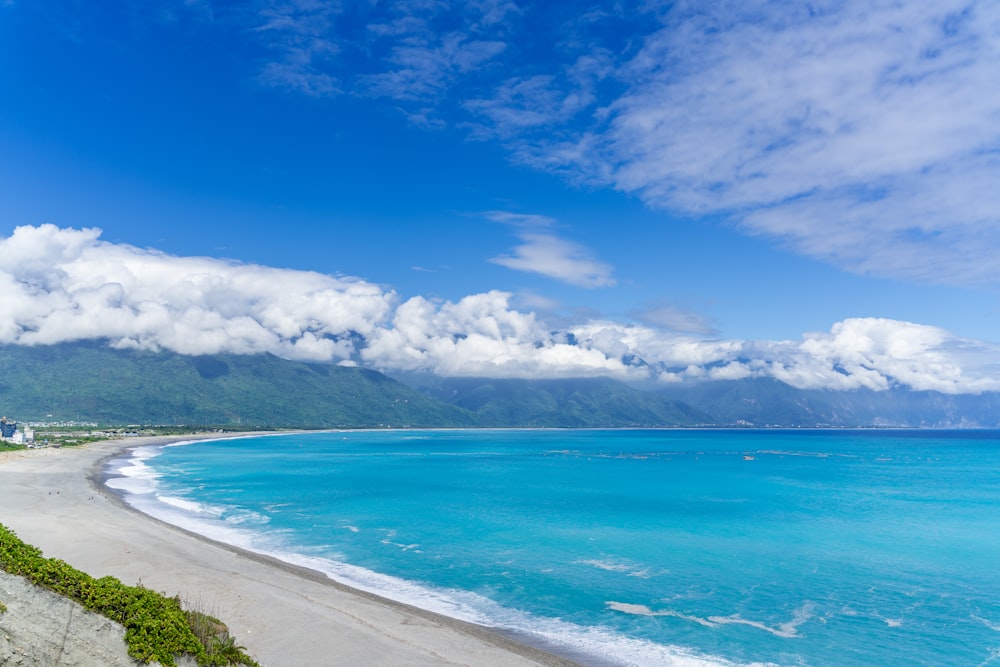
[26, 436]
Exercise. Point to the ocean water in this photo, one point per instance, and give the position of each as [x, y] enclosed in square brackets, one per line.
[628, 547]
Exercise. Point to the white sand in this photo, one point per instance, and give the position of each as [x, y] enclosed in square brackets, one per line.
[283, 615]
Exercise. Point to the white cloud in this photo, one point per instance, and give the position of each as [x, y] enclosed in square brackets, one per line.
[557, 258]
[542, 252]
[876, 353]
[479, 336]
[522, 220]
[64, 285]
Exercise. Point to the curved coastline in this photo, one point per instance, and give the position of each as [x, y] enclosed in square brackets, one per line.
[284, 614]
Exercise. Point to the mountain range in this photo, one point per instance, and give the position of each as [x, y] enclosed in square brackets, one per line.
[89, 381]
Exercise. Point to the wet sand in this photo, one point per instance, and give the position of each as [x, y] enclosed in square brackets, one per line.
[284, 615]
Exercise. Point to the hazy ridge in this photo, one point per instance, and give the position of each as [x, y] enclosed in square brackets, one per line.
[91, 382]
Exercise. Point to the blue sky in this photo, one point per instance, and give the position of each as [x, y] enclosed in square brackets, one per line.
[645, 190]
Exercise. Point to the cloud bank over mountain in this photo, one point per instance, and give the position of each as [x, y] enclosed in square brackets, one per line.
[64, 285]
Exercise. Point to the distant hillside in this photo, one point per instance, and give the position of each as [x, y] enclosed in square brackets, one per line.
[91, 382]
[767, 402]
[743, 403]
[576, 403]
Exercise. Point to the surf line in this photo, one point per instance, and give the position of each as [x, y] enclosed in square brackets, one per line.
[788, 630]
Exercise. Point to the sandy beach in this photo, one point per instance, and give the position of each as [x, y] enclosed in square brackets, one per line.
[283, 615]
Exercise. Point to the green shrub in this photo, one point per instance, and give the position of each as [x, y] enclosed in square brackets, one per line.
[214, 636]
[156, 627]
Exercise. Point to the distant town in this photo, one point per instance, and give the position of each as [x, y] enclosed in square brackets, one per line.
[36, 435]
[56, 434]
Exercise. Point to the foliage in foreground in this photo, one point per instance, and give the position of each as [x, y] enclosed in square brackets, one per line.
[156, 628]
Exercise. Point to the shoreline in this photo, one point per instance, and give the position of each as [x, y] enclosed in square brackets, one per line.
[284, 614]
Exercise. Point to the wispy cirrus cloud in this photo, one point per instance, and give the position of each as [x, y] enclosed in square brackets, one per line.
[65, 285]
[864, 134]
[521, 106]
[423, 68]
[541, 251]
[302, 37]
[675, 318]
[556, 258]
[861, 133]
[410, 53]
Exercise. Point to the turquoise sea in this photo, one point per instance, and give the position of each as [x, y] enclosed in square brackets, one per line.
[628, 547]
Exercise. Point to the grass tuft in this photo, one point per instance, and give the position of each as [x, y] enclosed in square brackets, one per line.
[213, 634]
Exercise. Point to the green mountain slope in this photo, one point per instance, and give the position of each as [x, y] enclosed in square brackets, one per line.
[90, 382]
[576, 403]
[766, 402]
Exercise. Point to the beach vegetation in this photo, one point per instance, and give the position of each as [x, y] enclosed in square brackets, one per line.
[213, 634]
[156, 626]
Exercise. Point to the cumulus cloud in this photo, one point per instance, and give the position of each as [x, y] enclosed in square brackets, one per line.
[65, 284]
[480, 335]
[61, 285]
